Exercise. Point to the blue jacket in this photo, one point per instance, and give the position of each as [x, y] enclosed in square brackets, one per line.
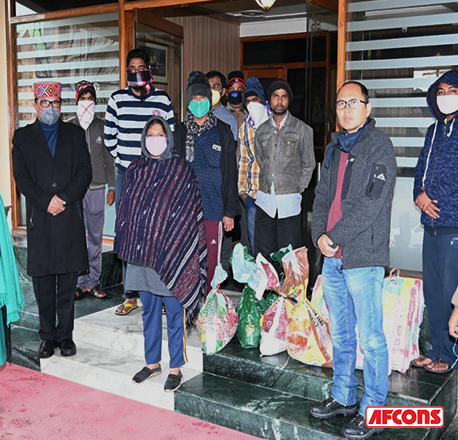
[437, 166]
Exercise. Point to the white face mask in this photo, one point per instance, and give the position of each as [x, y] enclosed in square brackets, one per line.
[258, 113]
[85, 112]
[448, 104]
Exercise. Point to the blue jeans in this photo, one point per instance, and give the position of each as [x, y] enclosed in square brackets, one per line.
[250, 210]
[440, 278]
[354, 296]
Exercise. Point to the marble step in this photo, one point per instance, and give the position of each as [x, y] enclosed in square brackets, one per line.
[264, 412]
[112, 371]
[283, 373]
[124, 334]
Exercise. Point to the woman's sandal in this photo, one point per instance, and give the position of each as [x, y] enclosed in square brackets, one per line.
[79, 293]
[95, 291]
[125, 308]
[434, 364]
[419, 362]
[146, 373]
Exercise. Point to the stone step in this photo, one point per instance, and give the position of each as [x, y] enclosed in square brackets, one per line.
[264, 412]
[282, 373]
[112, 371]
[124, 334]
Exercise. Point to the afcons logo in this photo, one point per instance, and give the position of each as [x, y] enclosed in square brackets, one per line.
[404, 417]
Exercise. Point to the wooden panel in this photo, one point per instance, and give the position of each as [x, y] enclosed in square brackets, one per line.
[341, 42]
[209, 44]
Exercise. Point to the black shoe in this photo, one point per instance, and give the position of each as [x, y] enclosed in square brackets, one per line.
[358, 430]
[67, 347]
[146, 373]
[46, 349]
[329, 408]
[173, 382]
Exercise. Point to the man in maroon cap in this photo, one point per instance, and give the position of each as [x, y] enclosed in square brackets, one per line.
[284, 151]
[103, 173]
[52, 168]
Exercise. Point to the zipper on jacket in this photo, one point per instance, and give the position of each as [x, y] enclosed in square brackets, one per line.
[31, 218]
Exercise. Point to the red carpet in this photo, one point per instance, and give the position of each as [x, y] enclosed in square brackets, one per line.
[37, 406]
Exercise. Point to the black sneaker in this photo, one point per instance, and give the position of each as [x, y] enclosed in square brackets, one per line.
[146, 373]
[358, 430]
[173, 382]
[329, 408]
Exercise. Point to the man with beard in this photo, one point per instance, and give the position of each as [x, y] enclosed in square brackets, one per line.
[284, 151]
[128, 111]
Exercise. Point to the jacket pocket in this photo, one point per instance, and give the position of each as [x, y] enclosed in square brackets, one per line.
[290, 143]
[376, 181]
[213, 156]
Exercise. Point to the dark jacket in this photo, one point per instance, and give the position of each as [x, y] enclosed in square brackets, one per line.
[55, 244]
[367, 194]
[228, 164]
[285, 157]
[103, 168]
[437, 166]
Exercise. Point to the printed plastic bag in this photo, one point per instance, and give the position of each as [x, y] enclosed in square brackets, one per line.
[296, 269]
[244, 267]
[217, 321]
[273, 326]
[268, 277]
[307, 336]
[249, 326]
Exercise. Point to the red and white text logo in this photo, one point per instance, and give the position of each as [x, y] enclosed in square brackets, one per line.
[404, 416]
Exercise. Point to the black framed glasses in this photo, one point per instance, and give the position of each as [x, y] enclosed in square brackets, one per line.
[44, 103]
[352, 103]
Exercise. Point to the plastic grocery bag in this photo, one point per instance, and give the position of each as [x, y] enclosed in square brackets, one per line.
[217, 321]
[249, 326]
[307, 336]
[273, 326]
[244, 267]
[296, 268]
[268, 277]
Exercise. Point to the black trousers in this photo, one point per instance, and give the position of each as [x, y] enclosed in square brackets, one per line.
[272, 234]
[55, 294]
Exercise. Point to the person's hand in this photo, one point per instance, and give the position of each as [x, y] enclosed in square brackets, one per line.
[243, 197]
[427, 205]
[56, 206]
[228, 224]
[111, 197]
[326, 246]
[453, 323]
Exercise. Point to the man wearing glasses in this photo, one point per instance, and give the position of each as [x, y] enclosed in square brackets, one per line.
[52, 168]
[351, 226]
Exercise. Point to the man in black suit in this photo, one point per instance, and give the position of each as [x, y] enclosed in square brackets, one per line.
[52, 168]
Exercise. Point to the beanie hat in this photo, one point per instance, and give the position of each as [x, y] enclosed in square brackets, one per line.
[84, 87]
[198, 85]
[253, 88]
[277, 84]
[236, 77]
[47, 89]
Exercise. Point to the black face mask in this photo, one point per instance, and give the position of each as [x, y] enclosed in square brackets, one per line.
[235, 98]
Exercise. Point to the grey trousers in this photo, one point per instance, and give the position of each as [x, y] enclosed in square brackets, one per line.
[94, 217]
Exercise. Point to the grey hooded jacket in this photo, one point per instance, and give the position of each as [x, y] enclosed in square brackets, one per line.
[367, 195]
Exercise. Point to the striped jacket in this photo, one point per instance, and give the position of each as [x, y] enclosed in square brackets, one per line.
[125, 118]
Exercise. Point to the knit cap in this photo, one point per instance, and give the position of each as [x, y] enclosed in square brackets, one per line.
[236, 77]
[254, 88]
[84, 87]
[198, 85]
[277, 84]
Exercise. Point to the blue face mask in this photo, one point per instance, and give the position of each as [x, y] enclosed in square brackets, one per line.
[50, 115]
[199, 108]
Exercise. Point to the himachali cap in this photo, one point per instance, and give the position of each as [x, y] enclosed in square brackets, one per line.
[47, 89]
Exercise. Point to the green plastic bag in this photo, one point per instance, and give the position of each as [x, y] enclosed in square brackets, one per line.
[249, 327]
[267, 300]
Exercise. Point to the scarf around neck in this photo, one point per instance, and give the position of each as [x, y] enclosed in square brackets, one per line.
[194, 129]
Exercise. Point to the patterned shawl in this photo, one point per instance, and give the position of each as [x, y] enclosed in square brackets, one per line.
[160, 225]
[193, 128]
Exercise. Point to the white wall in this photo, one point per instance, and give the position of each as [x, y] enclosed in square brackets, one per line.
[5, 186]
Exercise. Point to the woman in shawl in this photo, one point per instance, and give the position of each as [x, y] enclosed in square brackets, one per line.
[160, 234]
